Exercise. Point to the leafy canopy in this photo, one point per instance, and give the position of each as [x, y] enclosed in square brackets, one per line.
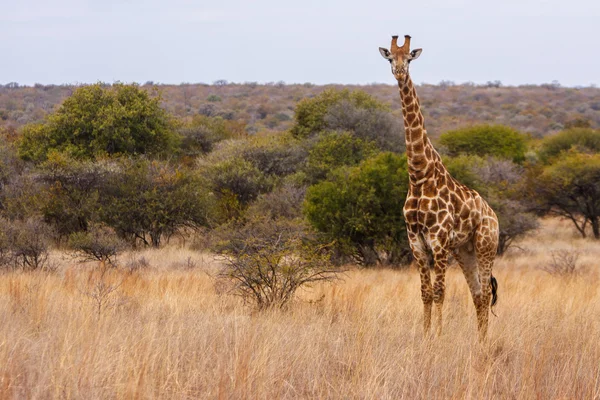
[98, 120]
[361, 208]
[311, 112]
[493, 140]
[570, 187]
[336, 149]
[582, 139]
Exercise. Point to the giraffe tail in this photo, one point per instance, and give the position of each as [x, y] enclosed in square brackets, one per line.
[494, 285]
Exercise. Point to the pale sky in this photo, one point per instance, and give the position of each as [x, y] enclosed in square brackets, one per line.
[319, 41]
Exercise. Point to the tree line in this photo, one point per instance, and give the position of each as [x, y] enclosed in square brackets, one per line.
[111, 167]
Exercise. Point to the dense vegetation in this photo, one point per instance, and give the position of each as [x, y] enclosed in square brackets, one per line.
[123, 165]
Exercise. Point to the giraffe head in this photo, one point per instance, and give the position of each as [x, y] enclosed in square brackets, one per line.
[400, 57]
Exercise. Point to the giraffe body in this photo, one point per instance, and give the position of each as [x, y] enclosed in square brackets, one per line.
[443, 216]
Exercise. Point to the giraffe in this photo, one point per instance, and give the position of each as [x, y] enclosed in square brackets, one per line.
[443, 217]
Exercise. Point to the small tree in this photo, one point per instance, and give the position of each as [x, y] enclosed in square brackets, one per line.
[570, 188]
[269, 260]
[98, 120]
[310, 117]
[578, 139]
[71, 193]
[333, 150]
[276, 156]
[486, 140]
[372, 124]
[200, 135]
[151, 200]
[237, 183]
[361, 209]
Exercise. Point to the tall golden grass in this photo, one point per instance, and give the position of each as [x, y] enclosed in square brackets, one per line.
[166, 332]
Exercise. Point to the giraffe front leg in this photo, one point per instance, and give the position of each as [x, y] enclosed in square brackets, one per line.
[422, 261]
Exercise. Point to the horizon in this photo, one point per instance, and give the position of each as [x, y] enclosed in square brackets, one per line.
[489, 84]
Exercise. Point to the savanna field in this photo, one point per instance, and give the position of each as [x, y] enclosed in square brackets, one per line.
[245, 241]
[168, 329]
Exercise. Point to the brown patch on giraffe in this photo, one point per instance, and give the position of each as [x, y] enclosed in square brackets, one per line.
[444, 194]
[428, 189]
[418, 147]
[431, 219]
[464, 212]
[450, 183]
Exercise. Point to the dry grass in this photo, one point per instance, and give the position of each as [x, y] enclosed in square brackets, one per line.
[164, 332]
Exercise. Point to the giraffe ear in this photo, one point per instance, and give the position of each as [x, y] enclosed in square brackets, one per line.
[385, 53]
[415, 54]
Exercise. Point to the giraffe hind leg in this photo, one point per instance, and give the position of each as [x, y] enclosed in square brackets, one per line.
[485, 249]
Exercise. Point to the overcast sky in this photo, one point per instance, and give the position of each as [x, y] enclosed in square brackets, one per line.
[319, 41]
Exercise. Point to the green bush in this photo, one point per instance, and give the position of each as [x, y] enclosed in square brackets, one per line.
[275, 156]
[333, 150]
[579, 139]
[310, 113]
[486, 140]
[200, 135]
[70, 199]
[150, 201]
[237, 183]
[98, 120]
[570, 188]
[361, 209]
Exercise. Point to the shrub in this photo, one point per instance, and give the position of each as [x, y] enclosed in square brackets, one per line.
[570, 188]
[98, 120]
[486, 140]
[579, 139]
[333, 150]
[361, 208]
[276, 156]
[311, 112]
[284, 201]
[236, 182]
[200, 135]
[70, 199]
[99, 243]
[564, 263]
[376, 125]
[269, 260]
[25, 243]
[151, 201]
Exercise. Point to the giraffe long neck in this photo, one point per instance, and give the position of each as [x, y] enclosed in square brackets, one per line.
[419, 150]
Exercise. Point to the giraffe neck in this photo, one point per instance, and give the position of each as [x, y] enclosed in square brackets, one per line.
[419, 150]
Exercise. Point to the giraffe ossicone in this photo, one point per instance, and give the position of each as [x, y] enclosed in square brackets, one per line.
[443, 216]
